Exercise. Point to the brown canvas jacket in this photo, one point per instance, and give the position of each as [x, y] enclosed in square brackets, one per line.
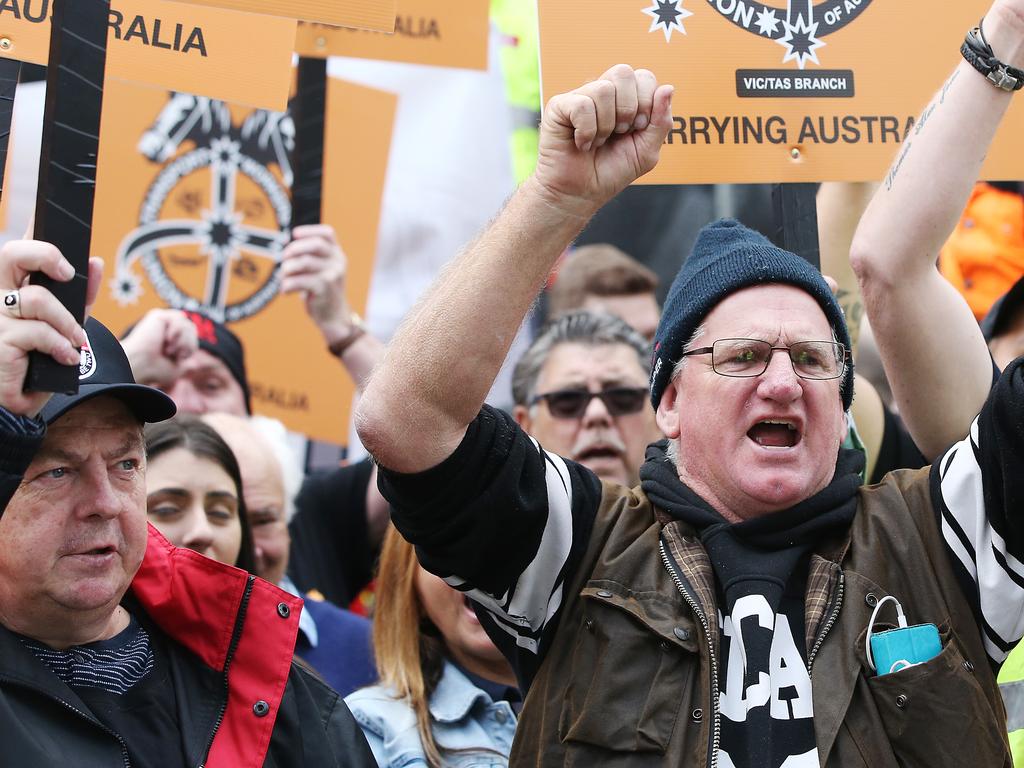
[629, 678]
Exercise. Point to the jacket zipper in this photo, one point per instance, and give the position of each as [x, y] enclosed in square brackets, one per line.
[716, 730]
[837, 604]
[236, 636]
[88, 718]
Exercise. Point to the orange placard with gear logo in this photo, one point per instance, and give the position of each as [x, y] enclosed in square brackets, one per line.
[780, 90]
[192, 210]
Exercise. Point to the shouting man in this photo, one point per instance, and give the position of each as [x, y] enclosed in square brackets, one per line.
[716, 614]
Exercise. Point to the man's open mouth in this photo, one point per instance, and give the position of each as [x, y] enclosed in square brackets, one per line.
[597, 452]
[772, 433]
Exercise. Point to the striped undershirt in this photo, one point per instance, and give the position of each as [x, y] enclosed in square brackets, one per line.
[114, 665]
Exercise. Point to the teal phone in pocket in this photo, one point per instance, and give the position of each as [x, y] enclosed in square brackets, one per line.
[906, 646]
[897, 649]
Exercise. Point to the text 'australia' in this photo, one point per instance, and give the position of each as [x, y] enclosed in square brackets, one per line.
[156, 34]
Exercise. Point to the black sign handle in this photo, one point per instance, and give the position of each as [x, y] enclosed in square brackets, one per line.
[67, 163]
[796, 220]
[309, 115]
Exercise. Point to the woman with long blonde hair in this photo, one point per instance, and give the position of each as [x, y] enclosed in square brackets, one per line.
[446, 695]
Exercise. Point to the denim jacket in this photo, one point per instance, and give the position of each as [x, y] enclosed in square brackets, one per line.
[463, 717]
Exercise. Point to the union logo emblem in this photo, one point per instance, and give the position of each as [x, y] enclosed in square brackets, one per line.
[214, 220]
[800, 27]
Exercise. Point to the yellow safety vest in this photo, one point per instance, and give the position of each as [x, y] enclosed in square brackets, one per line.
[517, 22]
[1011, 685]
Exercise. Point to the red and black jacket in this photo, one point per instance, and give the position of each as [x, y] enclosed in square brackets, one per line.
[242, 702]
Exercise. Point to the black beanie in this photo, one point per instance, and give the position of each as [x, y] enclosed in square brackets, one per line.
[726, 258]
[219, 341]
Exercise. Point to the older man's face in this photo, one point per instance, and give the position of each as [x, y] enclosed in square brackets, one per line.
[74, 533]
[754, 445]
[264, 492]
[610, 445]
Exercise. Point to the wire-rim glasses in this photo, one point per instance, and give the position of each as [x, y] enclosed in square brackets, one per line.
[744, 358]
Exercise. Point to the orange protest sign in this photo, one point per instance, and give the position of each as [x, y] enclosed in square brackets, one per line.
[783, 90]
[364, 14]
[445, 33]
[191, 200]
[208, 51]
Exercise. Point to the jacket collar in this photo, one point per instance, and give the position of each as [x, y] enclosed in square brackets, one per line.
[193, 599]
[216, 611]
[833, 548]
[455, 696]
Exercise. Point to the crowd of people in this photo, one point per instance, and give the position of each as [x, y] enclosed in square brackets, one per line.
[698, 537]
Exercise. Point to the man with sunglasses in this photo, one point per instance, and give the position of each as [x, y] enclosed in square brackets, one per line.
[716, 614]
[581, 391]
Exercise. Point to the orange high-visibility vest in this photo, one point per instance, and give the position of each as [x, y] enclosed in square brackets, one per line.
[984, 256]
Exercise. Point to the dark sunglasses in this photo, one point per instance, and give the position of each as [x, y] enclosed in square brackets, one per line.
[573, 403]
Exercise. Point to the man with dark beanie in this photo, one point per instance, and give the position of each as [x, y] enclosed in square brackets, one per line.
[194, 358]
[719, 613]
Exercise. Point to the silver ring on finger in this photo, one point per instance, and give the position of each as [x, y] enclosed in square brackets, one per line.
[12, 303]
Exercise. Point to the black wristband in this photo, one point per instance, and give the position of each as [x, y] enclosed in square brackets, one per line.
[979, 54]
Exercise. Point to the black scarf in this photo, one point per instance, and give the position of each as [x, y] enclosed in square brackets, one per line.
[756, 555]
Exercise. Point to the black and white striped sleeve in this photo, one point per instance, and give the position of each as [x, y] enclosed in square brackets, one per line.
[978, 492]
[504, 521]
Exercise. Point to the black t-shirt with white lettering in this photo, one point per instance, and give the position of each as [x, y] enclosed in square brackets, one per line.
[767, 714]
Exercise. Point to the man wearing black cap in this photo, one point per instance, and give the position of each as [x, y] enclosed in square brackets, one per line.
[115, 647]
[717, 613]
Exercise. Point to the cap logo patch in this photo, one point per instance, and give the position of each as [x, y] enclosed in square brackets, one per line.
[87, 363]
[204, 328]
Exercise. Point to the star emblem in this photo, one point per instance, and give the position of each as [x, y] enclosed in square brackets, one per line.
[800, 42]
[668, 15]
[220, 234]
[767, 23]
[127, 289]
[226, 153]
